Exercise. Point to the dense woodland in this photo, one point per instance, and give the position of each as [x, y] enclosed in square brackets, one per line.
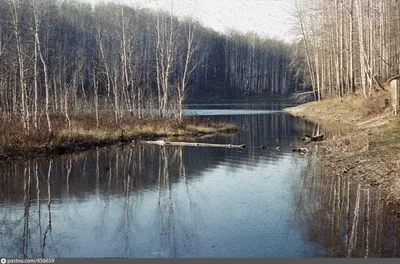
[70, 58]
[346, 44]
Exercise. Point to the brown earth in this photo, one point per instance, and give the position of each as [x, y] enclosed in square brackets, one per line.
[369, 151]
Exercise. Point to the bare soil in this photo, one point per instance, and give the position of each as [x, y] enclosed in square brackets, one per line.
[369, 152]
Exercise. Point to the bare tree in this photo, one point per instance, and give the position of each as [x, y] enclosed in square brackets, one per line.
[70, 57]
[15, 7]
[45, 71]
[168, 33]
[191, 47]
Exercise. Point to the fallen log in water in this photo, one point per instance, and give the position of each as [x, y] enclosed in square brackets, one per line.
[301, 150]
[313, 138]
[190, 144]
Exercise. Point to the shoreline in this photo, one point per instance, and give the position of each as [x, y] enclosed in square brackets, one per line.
[369, 152]
[247, 99]
[84, 135]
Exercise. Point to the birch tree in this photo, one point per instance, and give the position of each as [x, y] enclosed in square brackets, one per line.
[191, 47]
[72, 58]
[15, 8]
[45, 71]
[166, 52]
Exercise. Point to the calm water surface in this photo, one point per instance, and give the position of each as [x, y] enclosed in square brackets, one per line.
[151, 201]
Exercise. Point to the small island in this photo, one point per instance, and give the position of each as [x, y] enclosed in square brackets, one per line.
[84, 133]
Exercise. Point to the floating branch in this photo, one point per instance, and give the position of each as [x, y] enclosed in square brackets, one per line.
[301, 150]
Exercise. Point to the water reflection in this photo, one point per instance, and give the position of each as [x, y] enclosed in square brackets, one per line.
[151, 201]
[347, 219]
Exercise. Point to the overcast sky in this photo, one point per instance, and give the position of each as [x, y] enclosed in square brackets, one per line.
[269, 18]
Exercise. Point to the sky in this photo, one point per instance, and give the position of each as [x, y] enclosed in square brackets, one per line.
[268, 18]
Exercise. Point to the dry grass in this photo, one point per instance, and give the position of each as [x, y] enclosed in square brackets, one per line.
[85, 133]
[388, 139]
[372, 106]
[349, 110]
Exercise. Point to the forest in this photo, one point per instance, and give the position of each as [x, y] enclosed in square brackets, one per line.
[71, 58]
[347, 45]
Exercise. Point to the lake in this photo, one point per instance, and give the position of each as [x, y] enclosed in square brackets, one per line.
[132, 201]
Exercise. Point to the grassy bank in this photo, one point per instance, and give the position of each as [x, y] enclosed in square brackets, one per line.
[370, 152]
[85, 134]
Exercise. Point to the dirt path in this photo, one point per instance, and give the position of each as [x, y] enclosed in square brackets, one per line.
[370, 152]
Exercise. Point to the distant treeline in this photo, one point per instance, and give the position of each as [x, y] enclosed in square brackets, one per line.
[71, 57]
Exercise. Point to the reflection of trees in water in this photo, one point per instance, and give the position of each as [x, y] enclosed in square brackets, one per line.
[347, 219]
[271, 130]
[165, 207]
[23, 233]
[168, 214]
[117, 172]
[101, 171]
[27, 188]
[104, 171]
[126, 172]
[48, 228]
[127, 179]
[266, 130]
